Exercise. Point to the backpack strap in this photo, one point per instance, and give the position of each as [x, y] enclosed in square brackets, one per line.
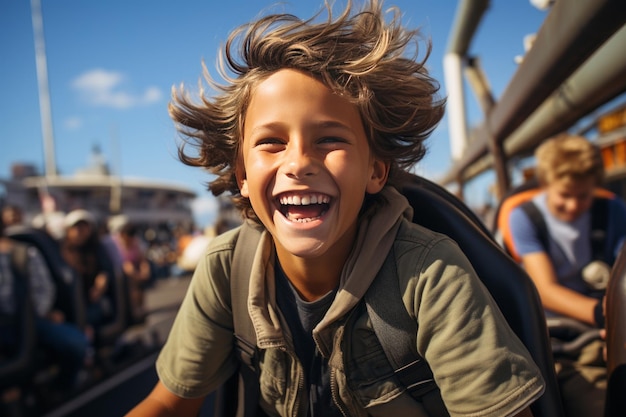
[599, 226]
[536, 218]
[396, 332]
[245, 336]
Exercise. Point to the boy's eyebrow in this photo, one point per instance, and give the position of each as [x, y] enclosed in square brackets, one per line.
[322, 124]
[334, 124]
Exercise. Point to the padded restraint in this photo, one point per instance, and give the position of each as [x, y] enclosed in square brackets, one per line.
[245, 336]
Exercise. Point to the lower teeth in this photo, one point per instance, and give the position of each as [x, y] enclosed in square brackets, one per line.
[307, 220]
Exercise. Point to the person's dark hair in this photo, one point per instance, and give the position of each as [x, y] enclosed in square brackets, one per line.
[371, 61]
[129, 229]
[12, 212]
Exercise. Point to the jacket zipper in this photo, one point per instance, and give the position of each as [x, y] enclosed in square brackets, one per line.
[295, 410]
[335, 394]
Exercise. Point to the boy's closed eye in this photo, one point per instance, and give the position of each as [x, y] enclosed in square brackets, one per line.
[332, 139]
[270, 144]
[332, 143]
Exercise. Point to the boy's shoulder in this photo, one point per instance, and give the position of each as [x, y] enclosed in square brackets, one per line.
[224, 242]
[411, 233]
[617, 204]
[227, 241]
[418, 243]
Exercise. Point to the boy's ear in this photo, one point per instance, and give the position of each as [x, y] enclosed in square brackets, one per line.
[243, 188]
[242, 182]
[378, 177]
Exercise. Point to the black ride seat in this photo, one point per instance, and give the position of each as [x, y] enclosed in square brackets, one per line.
[69, 291]
[17, 365]
[510, 286]
[616, 338]
[69, 288]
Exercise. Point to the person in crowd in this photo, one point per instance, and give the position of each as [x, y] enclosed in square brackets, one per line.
[108, 240]
[570, 275]
[135, 266]
[82, 250]
[12, 215]
[53, 224]
[317, 126]
[65, 341]
[159, 256]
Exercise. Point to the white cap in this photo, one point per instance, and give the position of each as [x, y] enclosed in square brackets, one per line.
[79, 215]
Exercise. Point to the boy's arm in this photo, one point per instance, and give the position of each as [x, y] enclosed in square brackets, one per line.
[162, 403]
[538, 265]
[554, 296]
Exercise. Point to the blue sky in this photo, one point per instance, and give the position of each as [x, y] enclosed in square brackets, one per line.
[112, 64]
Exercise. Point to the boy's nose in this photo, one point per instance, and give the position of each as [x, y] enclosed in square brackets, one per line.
[299, 163]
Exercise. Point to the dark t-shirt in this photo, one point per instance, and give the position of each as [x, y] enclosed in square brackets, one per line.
[302, 317]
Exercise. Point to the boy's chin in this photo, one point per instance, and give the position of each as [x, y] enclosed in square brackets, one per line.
[568, 217]
[307, 248]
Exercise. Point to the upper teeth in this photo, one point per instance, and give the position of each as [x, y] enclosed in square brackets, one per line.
[304, 200]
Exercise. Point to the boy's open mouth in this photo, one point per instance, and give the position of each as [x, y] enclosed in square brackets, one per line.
[304, 208]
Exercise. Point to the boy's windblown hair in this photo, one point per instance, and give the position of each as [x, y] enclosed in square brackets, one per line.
[571, 158]
[371, 61]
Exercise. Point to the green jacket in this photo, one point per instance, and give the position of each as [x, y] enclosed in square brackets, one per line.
[479, 364]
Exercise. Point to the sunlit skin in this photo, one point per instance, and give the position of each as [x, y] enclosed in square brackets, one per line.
[568, 199]
[306, 168]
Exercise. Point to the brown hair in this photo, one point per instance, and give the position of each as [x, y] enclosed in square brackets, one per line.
[358, 55]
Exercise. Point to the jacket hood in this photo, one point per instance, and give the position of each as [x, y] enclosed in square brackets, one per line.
[374, 240]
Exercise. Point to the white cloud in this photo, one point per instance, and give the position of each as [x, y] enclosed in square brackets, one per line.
[104, 88]
[204, 204]
[205, 210]
[73, 123]
[152, 95]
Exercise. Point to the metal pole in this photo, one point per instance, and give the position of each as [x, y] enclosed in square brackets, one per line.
[44, 92]
[115, 203]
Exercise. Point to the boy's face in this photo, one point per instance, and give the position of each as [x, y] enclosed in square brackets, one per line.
[306, 164]
[568, 199]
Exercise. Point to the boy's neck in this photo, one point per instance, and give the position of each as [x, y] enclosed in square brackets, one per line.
[312, 278]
